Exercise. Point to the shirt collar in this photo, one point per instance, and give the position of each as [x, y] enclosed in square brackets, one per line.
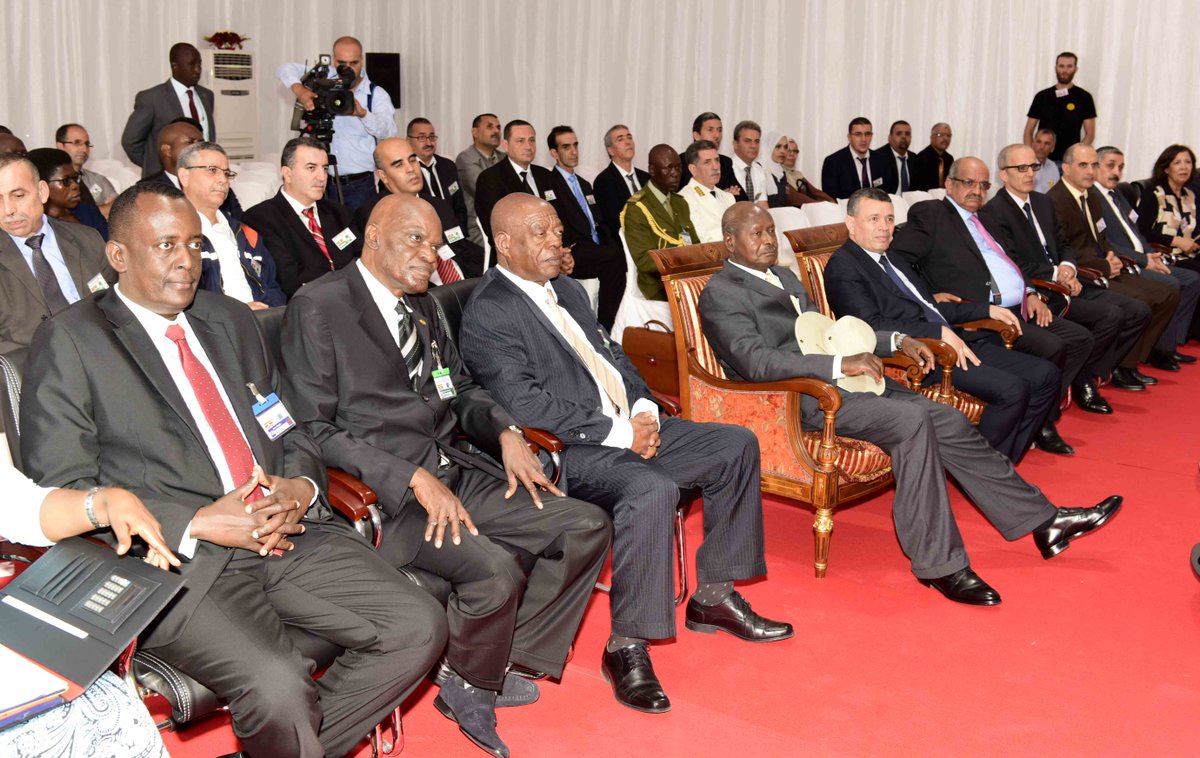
[1075, 193]
[154, 324]
[752, 272]
[658, 194]
[45, 229]
[536, 292]
[179, 88]
[222, 223]
[694, 183]
[568, 175]
[296, 205]
[963, 212]
[383, 297]
[898, 155]
[173, 179]
[1020, 203]
[739, 163]
[518, 169]
[431, 164]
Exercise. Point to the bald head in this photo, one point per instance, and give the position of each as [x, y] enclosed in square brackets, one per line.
[11, 143]
[749, 233]
[348, 51]
[736, 216]
[172, 140]
[397, 166]
[665, 169]
[528, 237]
[400, 244]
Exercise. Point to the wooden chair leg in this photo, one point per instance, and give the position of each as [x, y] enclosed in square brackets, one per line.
[681, 554]
[822, 528]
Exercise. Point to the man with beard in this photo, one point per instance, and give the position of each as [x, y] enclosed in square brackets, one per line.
[1065, 109]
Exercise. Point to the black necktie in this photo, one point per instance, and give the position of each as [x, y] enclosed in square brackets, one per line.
[525, 181]
[410, 345]
[1036, 233]
[931, 313]
[749, 185]
[904, 173]
[866, 180]
[633, 188]
[45, 276]
[435, 186]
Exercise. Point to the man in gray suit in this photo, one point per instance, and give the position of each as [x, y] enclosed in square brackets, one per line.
[45, 265]
[530, 337]
[1126, 238]
[748, 311]
[483, 153]
[158, 106]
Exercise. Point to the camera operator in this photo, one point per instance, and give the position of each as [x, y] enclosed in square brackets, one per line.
[355, 135]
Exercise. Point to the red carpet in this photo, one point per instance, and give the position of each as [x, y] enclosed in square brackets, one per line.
[1092, 653]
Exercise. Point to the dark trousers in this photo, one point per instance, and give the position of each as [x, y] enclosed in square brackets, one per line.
[1115, 321]
[926, 440]
[334, 586]
[1163, 300]
[1020, 391]
[722, 461]
[355, 193]
[496, 614]
[1064, 343]
[1193, 265]
[606, 263]
[1188, 284]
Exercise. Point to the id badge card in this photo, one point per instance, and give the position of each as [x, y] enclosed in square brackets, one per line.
[444, 384]
[273, 417]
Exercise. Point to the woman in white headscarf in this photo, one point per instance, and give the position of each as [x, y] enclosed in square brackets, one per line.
[779, 159]
[808, 192]
[772, 152]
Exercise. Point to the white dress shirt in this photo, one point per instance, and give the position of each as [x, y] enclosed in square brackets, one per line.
[1037, 227]
[621, 434]
[630, 177]
[182, 93]
[53, 254]
[433, 182]
[757, 174]
[228, 257]
[21, 516]
[1046, 177]
[299, 210]
[706, 206]
[528, 171]
[858, 167]
[1133, 238]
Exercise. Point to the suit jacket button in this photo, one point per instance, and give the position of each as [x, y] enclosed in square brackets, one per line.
[582, 436]
[44, 317]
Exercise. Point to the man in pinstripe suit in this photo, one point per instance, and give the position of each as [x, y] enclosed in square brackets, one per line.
[529, 336]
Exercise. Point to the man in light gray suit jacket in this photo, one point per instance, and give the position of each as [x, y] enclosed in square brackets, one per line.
[72, 255]
[158, 106]
[748, 311]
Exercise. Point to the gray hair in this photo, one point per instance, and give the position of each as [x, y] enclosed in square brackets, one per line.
[1002, 157]
[7, 159]
[691, 156]
[187, 156]
[1047, 130]
[866, 193]
[1108, 150]
[743, 126]
[938, 125]
[608, 134]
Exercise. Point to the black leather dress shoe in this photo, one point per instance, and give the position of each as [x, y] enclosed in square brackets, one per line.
[632, 677]
[1143, 378]
[1125, 379]
[1163, 361]
[733, 615]
[1181, 358]
[1048, 439]
[1053, 537]
[1089, 399]
[964, 586]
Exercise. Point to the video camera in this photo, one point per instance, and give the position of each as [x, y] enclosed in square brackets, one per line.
[334, 97]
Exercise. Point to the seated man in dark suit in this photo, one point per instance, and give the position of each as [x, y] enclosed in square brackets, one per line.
[862, 280]
[399, 172]
[162, 104]
[151, 386]
[1122, 232]
[1086, 236]
[441, 173]
[172, 141]
[902, 159]
[619, 179]
[947, 242]
[530, 336]
[236, 262]
[378, 382]
[589, 250]
[932, 165]
[656, 218]
[856, 166]
[1041, 251]
[45, 264]
[748, 312]
[517, 173]
[308, 234]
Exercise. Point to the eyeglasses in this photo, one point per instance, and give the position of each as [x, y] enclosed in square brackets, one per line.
[77, 143]
[425, 137]
[972, 184]
[1024, 168]
[69, 181]
[214, 170]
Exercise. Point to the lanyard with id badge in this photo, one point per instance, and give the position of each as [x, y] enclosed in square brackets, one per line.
[441, 375]
[271, 414]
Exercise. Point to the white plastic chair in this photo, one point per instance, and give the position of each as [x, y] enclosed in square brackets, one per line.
[487, 248]
[123, 177]
[900, 209]
[251, 192]
[938, 194]
[820, 214]
[916, 196]
[635, 309]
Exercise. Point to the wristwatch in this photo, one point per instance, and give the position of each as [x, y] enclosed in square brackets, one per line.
[519, 431]
[898, 341]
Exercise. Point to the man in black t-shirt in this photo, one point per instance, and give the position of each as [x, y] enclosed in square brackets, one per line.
[1065, 109]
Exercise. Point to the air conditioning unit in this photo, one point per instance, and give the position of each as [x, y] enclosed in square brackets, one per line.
[231, 76]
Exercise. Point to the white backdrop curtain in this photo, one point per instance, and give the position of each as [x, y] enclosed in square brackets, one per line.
[804, 67]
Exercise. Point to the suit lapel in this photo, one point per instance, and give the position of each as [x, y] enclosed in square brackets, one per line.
[538, 314]
[12, 261]
[961, 226]
[762, 287]
[874, 271]
[71, 256]
[371, 321]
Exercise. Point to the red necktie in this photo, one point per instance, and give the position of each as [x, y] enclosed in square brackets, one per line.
[318, 237]
[447, 271]
[192, 106]
[229, 434]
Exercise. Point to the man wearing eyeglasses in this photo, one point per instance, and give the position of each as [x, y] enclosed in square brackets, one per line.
[933, 163]
[856, 166]
[441, 173]
[45, 264]
[73, 139]
[960, 257]
[172, 141]
[234, 259]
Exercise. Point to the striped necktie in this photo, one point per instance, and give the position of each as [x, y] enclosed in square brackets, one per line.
[318, 236]
[613, 386]
[410, 345]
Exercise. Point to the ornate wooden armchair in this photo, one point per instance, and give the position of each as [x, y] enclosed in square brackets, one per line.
[818, 468]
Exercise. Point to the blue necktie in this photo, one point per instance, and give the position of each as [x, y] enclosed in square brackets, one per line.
[931, 313]
[904, 173]
[574, 180]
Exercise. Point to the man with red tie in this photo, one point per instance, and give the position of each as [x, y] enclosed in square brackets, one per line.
[178, 97]
[308, 235]
[169, 392]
